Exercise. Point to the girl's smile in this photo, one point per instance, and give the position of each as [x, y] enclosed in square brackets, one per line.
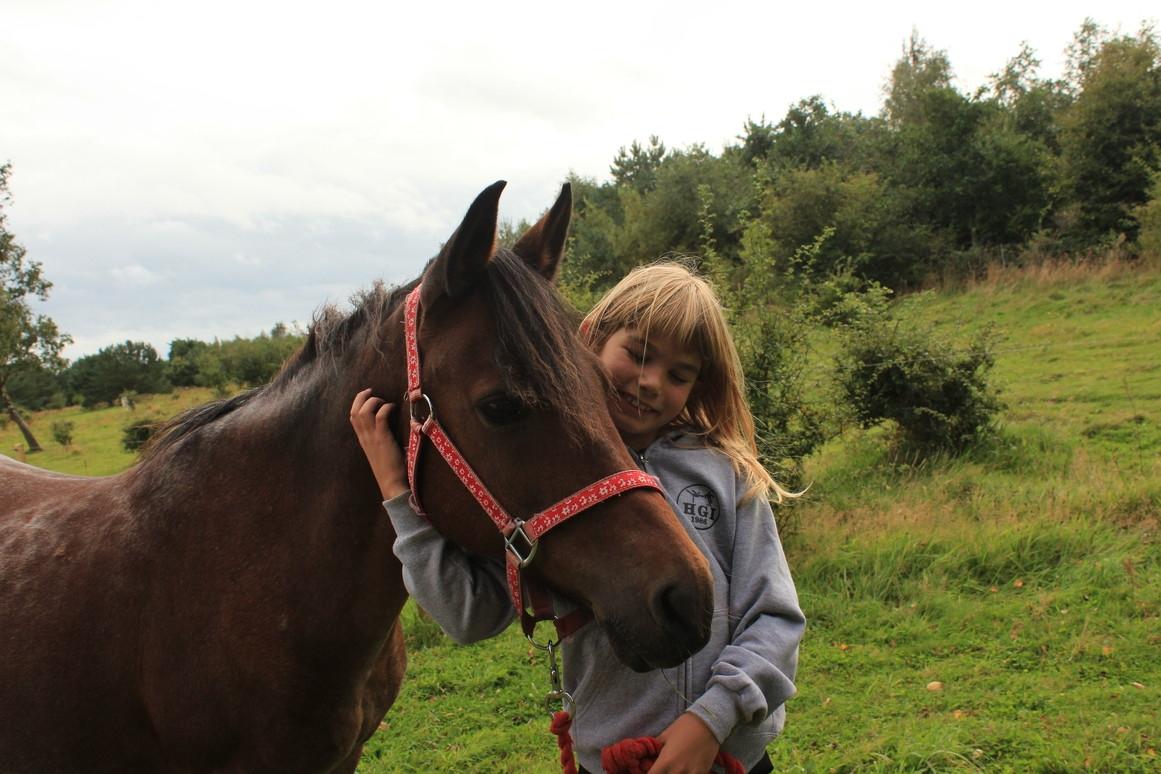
[633, 403]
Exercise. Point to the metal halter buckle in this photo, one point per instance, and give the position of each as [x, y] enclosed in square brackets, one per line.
[411, 405]
[527, 552]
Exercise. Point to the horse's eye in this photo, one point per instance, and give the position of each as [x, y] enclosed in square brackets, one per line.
[501, 410]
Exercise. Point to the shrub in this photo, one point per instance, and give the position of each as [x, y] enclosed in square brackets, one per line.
[137, 433]
[845, 298]
[938, 394]
[62, 432]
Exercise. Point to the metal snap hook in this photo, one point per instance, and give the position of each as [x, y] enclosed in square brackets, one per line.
[557, 697]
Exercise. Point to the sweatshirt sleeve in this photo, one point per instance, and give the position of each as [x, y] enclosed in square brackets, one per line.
[754, 673]
[466, 595]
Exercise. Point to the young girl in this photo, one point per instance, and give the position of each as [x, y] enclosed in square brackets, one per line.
[679, 406]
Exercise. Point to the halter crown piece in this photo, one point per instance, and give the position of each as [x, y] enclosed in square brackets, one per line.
[521, 536]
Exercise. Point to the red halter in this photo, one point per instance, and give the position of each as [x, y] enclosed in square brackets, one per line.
[520, 536]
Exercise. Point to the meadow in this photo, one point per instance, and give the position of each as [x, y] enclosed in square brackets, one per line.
[999, 611]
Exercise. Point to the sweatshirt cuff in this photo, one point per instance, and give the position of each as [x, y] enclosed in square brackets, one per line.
[402, 514]
[718, 709]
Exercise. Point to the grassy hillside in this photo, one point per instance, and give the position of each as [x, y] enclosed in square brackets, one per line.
[995, 612]
[1024, 578]
[96, 449]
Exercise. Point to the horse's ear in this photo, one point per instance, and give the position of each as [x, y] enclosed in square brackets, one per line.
[458, 265]
[542, 245]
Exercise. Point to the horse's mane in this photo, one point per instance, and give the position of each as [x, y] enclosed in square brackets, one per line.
[537, 348]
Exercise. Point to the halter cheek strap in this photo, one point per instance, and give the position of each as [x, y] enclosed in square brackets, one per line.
[521, 536]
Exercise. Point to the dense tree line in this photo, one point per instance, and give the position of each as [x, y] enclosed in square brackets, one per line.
[938, 183]
[122, 371]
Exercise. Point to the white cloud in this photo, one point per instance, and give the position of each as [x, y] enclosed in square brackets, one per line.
[135, 274]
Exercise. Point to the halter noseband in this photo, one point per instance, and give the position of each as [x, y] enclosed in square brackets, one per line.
[521, 536]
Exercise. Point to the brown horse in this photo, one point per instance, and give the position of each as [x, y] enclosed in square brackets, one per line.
[231, 603]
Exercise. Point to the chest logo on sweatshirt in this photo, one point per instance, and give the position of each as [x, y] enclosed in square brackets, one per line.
[700, 505]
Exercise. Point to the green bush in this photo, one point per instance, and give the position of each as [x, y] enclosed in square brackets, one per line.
[845, 298]
[137, 433]
[937, 393]
[62, 432]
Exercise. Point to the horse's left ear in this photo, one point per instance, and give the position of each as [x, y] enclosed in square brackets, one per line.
[459, 264]
[542, 245]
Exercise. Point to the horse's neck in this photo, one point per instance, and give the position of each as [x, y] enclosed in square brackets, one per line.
[275, 502]
[288, 459]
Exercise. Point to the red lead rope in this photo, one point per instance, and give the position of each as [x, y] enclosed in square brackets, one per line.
[520, 536]
[629, 756]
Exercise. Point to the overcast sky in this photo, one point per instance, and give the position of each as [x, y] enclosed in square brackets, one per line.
[212, 168]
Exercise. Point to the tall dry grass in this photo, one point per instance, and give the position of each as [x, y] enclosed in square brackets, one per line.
[1054, 271]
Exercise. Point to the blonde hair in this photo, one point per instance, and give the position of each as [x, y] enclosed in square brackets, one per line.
[672, 299]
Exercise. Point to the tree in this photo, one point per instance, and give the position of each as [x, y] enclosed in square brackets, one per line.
[26, 339]
[35, 388]
[810, 136]
[637, 166]
[1028, 104]
[966, 171]
[870, 230]
[182, 366]
[918, 71]
[129, 367]
[758, 139]
[1111, 135]
[665, 219]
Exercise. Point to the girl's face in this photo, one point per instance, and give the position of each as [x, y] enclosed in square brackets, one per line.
[652, 382]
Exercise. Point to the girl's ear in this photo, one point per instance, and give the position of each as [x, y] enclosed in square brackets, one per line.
[542, 246]
[464, 256]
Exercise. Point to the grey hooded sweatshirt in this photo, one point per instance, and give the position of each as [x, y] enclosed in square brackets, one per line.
[737, 684]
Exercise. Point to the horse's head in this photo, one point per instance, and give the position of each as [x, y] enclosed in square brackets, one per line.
[525, 402]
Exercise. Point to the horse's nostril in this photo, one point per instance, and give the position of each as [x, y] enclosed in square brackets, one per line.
[678, 609]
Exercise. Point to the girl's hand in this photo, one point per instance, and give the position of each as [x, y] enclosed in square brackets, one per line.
[369, 417]
[689, 747]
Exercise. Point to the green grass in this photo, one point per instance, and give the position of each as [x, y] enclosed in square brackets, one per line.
[96, 448]
[1024, 576]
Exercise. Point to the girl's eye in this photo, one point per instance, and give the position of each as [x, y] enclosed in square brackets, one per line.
[637, 356]
[501, 410]
[678, 379]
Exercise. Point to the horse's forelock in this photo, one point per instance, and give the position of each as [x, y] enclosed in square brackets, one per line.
[539, 353]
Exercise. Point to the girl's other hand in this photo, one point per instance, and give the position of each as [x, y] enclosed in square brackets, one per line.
[689, 747]
[370, 417]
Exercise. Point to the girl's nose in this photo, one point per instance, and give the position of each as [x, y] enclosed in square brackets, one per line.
[648, 380]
